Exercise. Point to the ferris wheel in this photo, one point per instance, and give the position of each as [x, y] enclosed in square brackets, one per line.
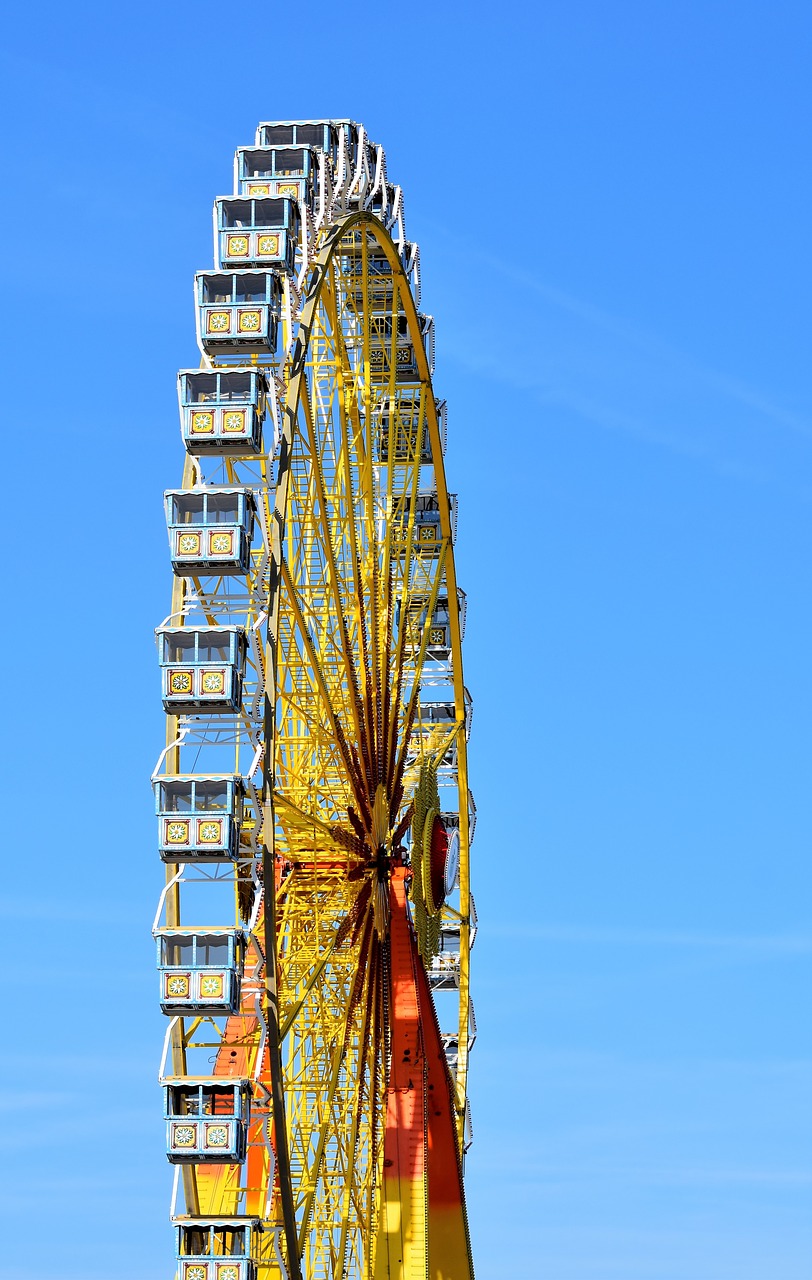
[314, 814]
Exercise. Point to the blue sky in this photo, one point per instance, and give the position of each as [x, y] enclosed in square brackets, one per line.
[613, 207]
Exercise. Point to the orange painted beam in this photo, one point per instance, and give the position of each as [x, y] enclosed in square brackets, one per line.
[401, 1248]
[449, 1242]
[422, 1232]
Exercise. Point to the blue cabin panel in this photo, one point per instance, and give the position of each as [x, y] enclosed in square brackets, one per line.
[426, 530]
[200, 970]
[211, 1269]
[440, 630]
[199, 818]
[215, 1141]
[202, 668]
[218, 1249]
[298, 189]
[222, 411]
[237, 312]
[256, 232]
[210, 530]
[206, 1121]
[256, 248]
[249, 327]
[278, 172]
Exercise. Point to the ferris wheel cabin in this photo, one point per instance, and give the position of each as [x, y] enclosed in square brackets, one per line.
[440, 718]
[256, 232]
[277, 171]
[199, 817]
[200, 970]
[221, 411]
[384, 335]
[324, 135]
[206, 1120]
[438, 648]
[444, 971]
[427, 534]
[210, 530]
[379, 282]
[400, 419]
[202, 668]
[218, 1249]
[443, 712]
[237, 312]
[337, 139]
